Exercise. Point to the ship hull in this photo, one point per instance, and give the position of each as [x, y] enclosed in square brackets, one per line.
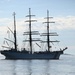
[23, 55]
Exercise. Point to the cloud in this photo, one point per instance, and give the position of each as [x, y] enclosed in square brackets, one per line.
[60, 23]
[65, 22]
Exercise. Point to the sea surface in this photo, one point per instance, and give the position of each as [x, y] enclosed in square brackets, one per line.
[64, 66]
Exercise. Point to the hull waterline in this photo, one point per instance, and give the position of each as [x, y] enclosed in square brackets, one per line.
[23, 55]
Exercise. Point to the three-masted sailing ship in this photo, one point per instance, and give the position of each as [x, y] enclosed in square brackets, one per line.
[14, 53]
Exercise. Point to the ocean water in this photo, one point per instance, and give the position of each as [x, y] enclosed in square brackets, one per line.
[64, 66]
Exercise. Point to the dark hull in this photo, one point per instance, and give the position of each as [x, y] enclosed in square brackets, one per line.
[24, 55]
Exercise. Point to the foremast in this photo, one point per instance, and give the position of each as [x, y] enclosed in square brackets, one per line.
[48, 34]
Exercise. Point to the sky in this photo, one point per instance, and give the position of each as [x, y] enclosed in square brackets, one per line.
[62, 11]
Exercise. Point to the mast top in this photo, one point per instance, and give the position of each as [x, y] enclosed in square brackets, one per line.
[47, 13]
[14, 13]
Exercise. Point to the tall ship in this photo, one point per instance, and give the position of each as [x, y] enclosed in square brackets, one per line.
[14, 53]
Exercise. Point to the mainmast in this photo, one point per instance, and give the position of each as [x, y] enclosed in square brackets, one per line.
[15, 41]
[30, 33]
[30, 29]
[48, 30]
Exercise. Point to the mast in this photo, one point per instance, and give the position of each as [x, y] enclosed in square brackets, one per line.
[48, 39]
[48, 33]
[15, 41]
[30, 31]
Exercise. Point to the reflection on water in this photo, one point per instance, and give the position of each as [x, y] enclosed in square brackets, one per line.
[29, 67]
[64, 66]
